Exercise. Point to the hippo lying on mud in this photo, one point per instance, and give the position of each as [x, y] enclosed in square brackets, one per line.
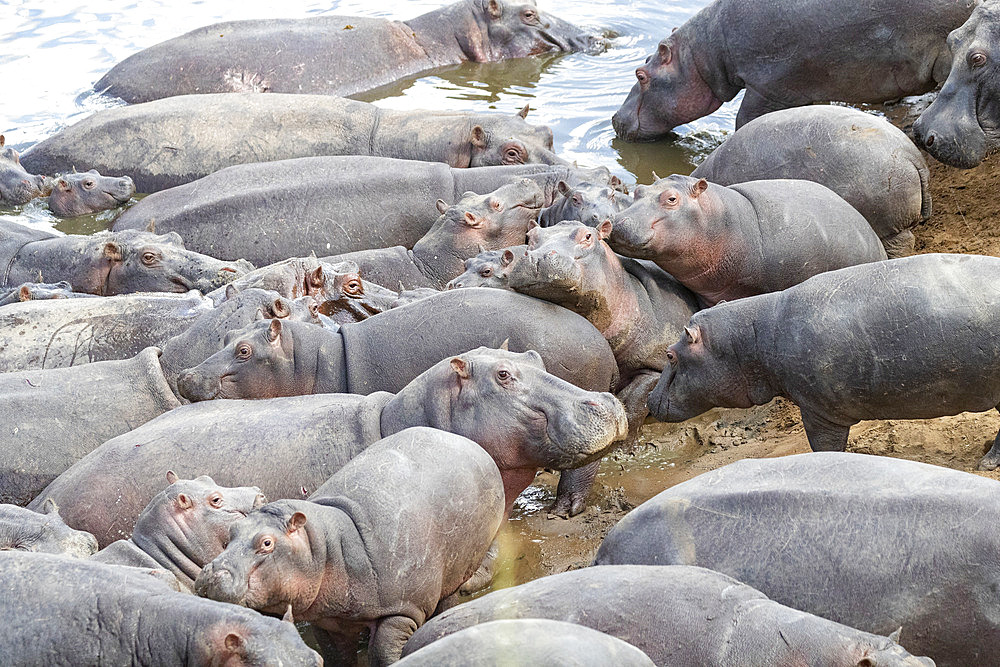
[183, 528]
[535, 641]
[82, 194]
[865, 159]
[42, 532]
[524, 417]
[962, 125]
[17, 186]
[370, 548]
[488, 269]
[268, 211]
[726, 243]
[910, 338]
[109, 263]
[142, 620]
[177, 140]
[337, 55]
[677, 616]
[902, 540]
[790, 54]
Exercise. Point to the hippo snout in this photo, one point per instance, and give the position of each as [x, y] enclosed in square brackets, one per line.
[218, 582]
[259, 500]
[124, 189]
[196, 386]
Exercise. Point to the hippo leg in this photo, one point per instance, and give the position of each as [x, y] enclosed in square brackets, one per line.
[574, 486]
[824, 435]
[754, 104]
[900, 245]
[484, 574]
[992, 459]
[386, 644]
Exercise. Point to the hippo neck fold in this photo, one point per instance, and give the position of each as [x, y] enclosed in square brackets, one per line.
[320, 355]
[748, 345]
[169, 546]
[452, 34]
[707, 27]
[438, 257]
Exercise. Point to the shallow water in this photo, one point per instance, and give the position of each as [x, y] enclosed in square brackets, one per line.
[56, 51]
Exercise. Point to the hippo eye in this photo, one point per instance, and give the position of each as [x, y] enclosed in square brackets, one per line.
[671, 199]
[503, 375]
[353, 286]
[314, 309]
[148, 258]
[671, 356]
[215, 500]
[266, 545]
[487, 272]
[977, 59]
[88, 184]
[513, 154]
[588, 237]
[243, 351]
[529, 16]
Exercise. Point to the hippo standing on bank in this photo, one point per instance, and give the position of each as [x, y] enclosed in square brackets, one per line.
[42, 532]
[865, 159]
[90, 192]
[524, 417]
[369, 549]
[677, 616]
[488, 269]
[726, 243]
[184, 527]
[590, 203]
[177, 140]
[337, 55]
[962, 125]
[17, 186]
[790, 54]
[903, 541]
[911, 338]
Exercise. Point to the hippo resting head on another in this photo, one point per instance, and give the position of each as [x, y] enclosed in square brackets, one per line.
[590, 203]
[25, 530]
[488, 269]
[81, 194]
[962, 126]
[500, 139]
[17, 186]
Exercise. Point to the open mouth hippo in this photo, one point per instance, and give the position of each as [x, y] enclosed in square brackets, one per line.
[83, 194]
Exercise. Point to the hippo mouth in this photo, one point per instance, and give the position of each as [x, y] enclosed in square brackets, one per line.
[182, 282]
[121, 199]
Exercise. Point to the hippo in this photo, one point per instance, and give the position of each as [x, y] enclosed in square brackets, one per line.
[90, 192]
[109, 263]
[183, 528]
[300, 441]
[787, 55]
[838, 347]
[41, 291]
[488, 269]
[590, 203]
[115, 615]
[17, 186]
[960, 127]
[177, 140]
[407, 297]
[476, 223]
[535, 641]
[268, 211]
[42, 532]
[338, 55]
[902, 540]
[726, 243]
[865, 159]
[677, 615]
[369, 548]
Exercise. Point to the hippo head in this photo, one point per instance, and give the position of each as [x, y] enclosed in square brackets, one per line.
[590, 203]
[669, 91]
[82, 194]
[497, 140]
[248, 639]
[962, 126]
[17, 186]
[301, 276]
[518, 29]
[24, 530]
[42, 291]
[487, 269]
[352, 299]
[189, 520]
[306, 309]
[664, 218]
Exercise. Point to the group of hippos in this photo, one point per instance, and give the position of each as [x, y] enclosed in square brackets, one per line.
[196, 451]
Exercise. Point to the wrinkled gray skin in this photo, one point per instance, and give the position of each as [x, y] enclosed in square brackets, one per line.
[677, 616]
[477, 222]
[100, 400]
[338, 55]
[109, 263]
[534, 641]
[184, 527]
[42, 532]
[790, 54]
[865, 159]
[40, 292]
[371, 548]
[639, 308]
[793, 525]
[962, 125]
[290, 446]
[269, 211]
[590, 203]
[911, 338]
[726, 243]
[488, 269]
[17, 186]
[177, 140]
[407, 297]
[142, 620]
[82, 194]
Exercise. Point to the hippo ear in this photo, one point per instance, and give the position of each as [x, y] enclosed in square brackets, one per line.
[494, 8]
[280, 308]
[698, 188]
[173, 238]
[656, 176]
[50, 507]
[505, 345]
[478, 137]
[315, 278]
[693, 334]
[506, 258]
[24, 294]
[296, 521]
[113, 251]
[472, 221]
[894, 637]
[3, 140]
[274, 331]
[288, 615]
[562, 187]
[234, 644]
[462, 368]
[523, 113]
[664, 51]
[172, 477]
[604, 229]
[151, 227]
[442, 206]
[183, 501]
[231, 291]
[616, 183]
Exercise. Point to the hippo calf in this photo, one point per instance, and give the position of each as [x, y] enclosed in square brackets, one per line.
[590, 203]
[488, 269]
[725, 243]
[90, 192]
[42, 532]
[677, 616]
[865, 159]
[40, 292]
[17, 186]
[370, 548]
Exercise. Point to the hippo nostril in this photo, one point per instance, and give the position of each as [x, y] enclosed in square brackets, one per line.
[642, 76]
[929, 141]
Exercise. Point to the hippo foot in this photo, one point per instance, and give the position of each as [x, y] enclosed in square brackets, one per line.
[991, 461]
[568, 505]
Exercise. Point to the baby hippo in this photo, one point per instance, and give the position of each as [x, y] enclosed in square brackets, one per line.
[590, 203]
[488, 269]
[17, 186]
[24, 530]
[379, 545]
[184, 527]
[82, 194]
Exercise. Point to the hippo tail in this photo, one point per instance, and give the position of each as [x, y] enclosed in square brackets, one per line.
[925, 190]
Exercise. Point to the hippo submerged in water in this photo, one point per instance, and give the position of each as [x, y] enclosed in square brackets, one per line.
[337, 55]
[90, 192]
